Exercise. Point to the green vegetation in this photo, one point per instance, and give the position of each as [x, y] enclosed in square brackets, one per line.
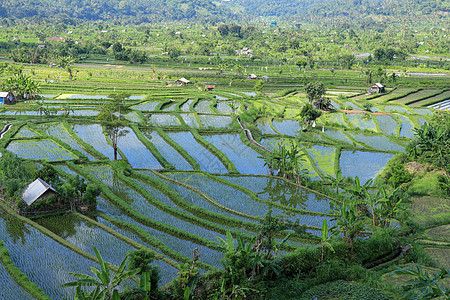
[292, 185]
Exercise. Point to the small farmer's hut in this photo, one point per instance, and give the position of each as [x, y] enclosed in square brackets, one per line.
[6, 98]
[38, 189]
[376, 88]
[210, 87]
[182, 81]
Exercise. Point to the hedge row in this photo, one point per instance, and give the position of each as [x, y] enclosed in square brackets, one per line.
[146, 237]
[19, 277]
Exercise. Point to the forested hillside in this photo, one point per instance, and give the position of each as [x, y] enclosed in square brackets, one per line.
[315, 11]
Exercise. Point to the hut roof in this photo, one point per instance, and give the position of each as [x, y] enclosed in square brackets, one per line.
[184, 80]
[4, 94]
[35, 190]
[210, 86]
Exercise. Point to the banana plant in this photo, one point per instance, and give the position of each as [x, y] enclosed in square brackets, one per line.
[324, 239]
[106, 285]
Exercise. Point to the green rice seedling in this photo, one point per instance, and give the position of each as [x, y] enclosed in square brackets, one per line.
[169, 153]
[9, 286]
[137, 154]
[203, 107]
[283, 192]
[378, 142]
[264, 126]
[388, 125]
[208, 162]
[92, 134]
[44, 261]
[365, 165]
[323, 157]
[58, 130]
[215, 121]
[163, 120]
[362, 121]
[245, 159]
[26, 132]
[39, 149]
[190, 120]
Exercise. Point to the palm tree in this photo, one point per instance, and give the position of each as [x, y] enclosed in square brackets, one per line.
[66, 62]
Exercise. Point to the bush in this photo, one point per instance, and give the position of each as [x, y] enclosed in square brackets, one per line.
[344, 290]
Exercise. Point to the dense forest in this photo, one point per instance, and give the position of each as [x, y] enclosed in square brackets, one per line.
[359, 11]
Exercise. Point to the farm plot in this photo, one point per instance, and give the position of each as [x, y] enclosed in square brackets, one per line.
[277, 190]
[414, 96]
[146, 106]
[240, 201]
[435, 99]
[83, 113]
[440, 233]
[287, 127]
[393, 108]
[337, 118]
[44, 261]
[92, 134]
[196, 199]
[169, 153]
[136, 153]
[203, 106]
[423, 111]
[245, 159]
[379, 142]
[406, 127]
[167, 272]
[443, 105]
[25, 132]
[170, 107]
[440, 255]
[208, 161]
[87, 236]
[190, 120]
[362, 121]
[324, 158]
[187, 105]
[272, 143]
[388, 125]
[215, 121]
[10, 290]
[353, 106]
[365, 165]
[58, 131]
[133, 117]
[224, 107]
[264, 126]
[163, 120]
[338, 135]
[39, 149]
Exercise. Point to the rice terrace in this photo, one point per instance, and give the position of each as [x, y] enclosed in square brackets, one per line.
[221, 175]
